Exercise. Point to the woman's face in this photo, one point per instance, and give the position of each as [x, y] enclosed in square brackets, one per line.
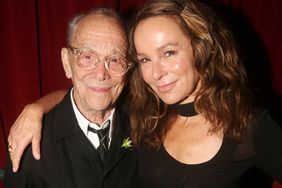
[166, 59]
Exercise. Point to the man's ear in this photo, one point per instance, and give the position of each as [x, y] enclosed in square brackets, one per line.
[66, 62]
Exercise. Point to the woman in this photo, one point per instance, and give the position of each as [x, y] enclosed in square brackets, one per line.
[193, 121]
[187, 58]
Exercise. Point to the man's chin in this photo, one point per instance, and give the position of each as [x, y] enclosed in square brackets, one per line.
[101, 106]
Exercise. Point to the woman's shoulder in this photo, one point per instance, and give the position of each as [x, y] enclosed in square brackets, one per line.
[264, 131]
[263, 121]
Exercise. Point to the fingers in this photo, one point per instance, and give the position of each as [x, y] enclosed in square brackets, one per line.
[15, 158]
[15, 147]
[13, 155]
[36, 147]
[16, 152]
[26, 129]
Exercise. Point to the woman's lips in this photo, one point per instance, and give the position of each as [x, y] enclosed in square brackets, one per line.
[166, 87]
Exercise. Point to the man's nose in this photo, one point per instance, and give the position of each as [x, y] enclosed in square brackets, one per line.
[100, 71]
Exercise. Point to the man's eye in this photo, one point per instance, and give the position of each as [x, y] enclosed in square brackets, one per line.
[169, 53]
[86, 55]
[114, 60]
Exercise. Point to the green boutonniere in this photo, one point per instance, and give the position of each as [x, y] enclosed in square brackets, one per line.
[127, 144]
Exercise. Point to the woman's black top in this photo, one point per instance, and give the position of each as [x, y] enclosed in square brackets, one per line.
[262, 147]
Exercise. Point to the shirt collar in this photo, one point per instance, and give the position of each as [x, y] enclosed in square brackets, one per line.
[83, 122]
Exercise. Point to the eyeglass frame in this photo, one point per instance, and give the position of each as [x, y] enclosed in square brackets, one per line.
[77, 52]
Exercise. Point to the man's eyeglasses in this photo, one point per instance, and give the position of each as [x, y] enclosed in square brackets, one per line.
[116, 65]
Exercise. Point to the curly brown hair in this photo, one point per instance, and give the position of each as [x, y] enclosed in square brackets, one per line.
[223, 99]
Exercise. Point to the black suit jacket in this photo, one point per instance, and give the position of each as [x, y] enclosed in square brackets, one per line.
[69, 160]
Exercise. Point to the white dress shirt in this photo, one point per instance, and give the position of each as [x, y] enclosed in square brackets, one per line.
[83, 124]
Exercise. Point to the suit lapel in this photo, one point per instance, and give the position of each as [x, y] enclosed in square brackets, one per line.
[120, 132]
[67, 128]
[86, 150]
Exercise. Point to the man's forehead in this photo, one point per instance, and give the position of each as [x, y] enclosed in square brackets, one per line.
[104, 48]
[100, 42]
[100, 31]
[101, 24]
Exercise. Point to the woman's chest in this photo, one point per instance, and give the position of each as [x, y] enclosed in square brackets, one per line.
[192, 144]
[160, 169]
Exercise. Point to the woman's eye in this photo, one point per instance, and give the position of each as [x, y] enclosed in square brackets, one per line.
[169, 53]
[143, 60]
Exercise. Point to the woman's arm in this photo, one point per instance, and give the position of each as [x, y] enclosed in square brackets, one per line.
[27, 127]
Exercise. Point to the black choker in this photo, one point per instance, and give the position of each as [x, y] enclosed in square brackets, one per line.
[186, 110]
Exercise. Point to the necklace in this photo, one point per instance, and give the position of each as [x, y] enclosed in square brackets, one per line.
[186, 110]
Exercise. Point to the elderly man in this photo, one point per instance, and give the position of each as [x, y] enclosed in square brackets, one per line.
[83, 135]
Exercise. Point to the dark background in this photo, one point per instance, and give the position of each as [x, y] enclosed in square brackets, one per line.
[32, 32]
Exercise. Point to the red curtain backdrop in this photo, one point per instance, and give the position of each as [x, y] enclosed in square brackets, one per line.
[33, 32]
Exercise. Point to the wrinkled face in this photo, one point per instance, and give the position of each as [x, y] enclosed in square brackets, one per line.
[95, 90]
[166, 59]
